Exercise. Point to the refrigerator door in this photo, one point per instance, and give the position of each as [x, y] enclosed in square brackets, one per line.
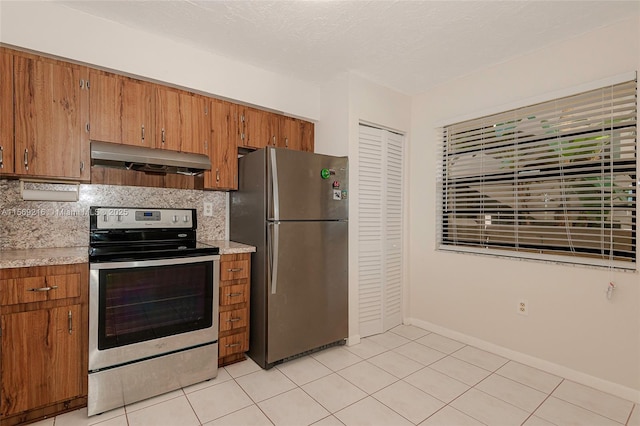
[307, 286]
[306, 186]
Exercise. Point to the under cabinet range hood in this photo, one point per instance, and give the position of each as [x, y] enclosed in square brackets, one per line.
[148, 160]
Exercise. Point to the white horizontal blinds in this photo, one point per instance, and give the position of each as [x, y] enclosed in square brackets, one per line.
[558, 177]
[392, 222]
[380, 229]
[370, 233]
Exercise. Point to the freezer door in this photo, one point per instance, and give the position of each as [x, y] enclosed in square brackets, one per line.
[307, 286]
[306, 186]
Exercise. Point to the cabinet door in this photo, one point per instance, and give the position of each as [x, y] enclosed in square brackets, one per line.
[120, 110]
[290, 133]
[41, 358]
[308, 134]
[168, 123]
[6, 112]
[196, 123]
[260, 128]
[223, 150]
[51, 115]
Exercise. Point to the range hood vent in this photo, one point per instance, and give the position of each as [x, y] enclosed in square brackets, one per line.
[159, 161]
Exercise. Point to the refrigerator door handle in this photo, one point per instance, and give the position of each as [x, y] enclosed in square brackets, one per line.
[274, 185]
[273, 255]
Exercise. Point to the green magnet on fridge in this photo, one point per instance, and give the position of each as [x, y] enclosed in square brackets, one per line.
[325, 173]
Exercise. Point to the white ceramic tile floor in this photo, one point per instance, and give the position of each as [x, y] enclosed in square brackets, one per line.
[407, 376]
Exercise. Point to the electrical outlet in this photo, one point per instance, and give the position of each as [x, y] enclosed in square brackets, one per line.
[523, 307]
[208, 208]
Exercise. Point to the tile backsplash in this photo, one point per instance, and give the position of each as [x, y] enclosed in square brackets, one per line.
[45, 224]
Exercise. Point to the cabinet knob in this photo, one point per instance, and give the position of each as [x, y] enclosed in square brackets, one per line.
[1, 158]
[235, 294]
[234, 269]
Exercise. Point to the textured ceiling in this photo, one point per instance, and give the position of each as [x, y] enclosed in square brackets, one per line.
[409, 46]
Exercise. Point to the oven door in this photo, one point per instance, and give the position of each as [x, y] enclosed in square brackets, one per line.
[148, 308]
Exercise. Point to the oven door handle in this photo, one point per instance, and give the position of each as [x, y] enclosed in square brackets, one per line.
[273, 255]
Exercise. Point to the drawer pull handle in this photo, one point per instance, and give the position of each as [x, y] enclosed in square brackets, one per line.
[234, 269]
[233, 319]
[53, 287]
[235, 294]
[232, 345]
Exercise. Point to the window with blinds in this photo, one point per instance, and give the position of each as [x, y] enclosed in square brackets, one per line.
[553, 179]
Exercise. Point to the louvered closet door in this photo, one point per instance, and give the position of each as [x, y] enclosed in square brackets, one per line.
[380, 226]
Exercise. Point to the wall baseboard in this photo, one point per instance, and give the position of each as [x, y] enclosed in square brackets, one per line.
[353, 340]
[541, 364]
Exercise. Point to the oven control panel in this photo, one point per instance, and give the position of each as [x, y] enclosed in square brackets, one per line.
[133, 218]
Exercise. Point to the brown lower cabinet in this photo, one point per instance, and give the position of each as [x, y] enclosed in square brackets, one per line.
[235, 276]
[44, 322]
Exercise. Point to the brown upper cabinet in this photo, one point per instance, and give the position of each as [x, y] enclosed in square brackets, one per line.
[296, 134]
[50, 110]
[258, 128]
[223, 150]
[182, 121]
[121, 110]
[51, 114]
[6, 112]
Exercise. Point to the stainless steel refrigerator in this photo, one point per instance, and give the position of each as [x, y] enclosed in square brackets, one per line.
[293, 207]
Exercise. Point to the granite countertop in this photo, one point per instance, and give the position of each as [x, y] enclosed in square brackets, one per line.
[230, 247]
[42, 257]
[25, 258]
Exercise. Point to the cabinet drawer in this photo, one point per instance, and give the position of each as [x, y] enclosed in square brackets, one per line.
[39, 288]
[232, 320]
[234, 344]
[234, 270]
[232, 294]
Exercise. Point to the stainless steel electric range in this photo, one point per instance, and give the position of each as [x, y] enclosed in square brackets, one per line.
[153, 305]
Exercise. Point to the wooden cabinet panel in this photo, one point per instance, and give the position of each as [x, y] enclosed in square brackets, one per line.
[168, 125]
[6, 112]
[259, 128]
[121, 110]
[182, 121]
[234, 294]
[234, 270]
[39, 288]
[43, 342]
[39, 351]
[195, 114]
[233, 344]
[223, 150]
[51, 106]
[235, 273]
[290, 133]
[308, 136]
[231, 320]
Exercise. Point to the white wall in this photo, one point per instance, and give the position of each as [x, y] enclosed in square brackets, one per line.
[48, 27]
[572, 328]
[346, 101]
